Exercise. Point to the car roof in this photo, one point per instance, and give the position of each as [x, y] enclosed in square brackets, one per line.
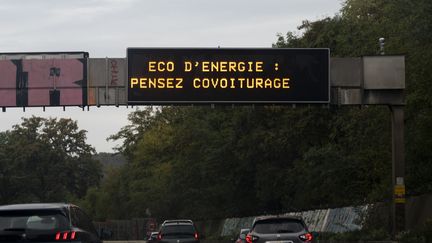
[262, 218]
[33, 206]
[177, 221]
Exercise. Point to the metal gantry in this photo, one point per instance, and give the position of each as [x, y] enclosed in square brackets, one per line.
[357, 81]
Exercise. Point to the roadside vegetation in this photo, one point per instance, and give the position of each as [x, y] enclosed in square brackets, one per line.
[46, 160]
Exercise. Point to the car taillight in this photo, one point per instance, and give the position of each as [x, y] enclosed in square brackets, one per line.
[73, 234]
[251, 238]
[196, 236]
[65, 235]
[306, 237]
[159, 236]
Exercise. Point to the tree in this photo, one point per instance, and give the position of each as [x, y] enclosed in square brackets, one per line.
[46, 160]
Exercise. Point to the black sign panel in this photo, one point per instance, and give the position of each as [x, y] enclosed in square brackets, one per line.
[203, 75]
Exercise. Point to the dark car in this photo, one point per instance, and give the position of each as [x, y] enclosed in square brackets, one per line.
[178, 231]
[286, 229]
[46, 222]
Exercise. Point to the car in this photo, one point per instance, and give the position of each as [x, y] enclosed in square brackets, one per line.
[283, 229]
[153, 237]
[178, 231]
[46, 222]
[242, 236]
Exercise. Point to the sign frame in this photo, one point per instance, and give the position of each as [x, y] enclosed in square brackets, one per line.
[203, 102]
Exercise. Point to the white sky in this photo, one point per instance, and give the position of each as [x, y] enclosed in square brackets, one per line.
[105, 28]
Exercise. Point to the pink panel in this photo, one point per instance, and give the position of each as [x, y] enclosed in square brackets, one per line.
[7, 74]
[7, 97]
[7, 83]
[38, 97]
[71, 71]
[71, 97]
[38, 73]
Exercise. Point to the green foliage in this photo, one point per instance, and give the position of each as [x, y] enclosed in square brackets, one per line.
[110, 160]
[356, 236]
[420, 235]
[407, 28]
[45, 160]
[197, 161]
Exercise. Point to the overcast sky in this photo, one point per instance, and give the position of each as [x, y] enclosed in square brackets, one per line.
[105, 28]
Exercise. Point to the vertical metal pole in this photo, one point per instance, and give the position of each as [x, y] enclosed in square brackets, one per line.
[398, 166]
[107, 76]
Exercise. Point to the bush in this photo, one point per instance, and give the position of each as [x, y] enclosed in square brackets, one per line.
[421, 235]
[358, 235]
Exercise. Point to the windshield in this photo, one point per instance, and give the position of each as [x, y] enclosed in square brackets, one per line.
[278, 226]
[23, 220]
[178, 231]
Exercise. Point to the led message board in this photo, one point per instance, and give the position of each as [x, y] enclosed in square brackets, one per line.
[204, 75]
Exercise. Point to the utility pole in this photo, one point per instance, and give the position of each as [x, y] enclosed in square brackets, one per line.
[398, 163]
[398, 168]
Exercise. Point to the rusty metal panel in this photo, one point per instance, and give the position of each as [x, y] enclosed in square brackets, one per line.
[107, 72]
[346, 96]
[107, 80]
[384, 72]
[350, 96]
[122, 96]
[346, 72]
[107, 96]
